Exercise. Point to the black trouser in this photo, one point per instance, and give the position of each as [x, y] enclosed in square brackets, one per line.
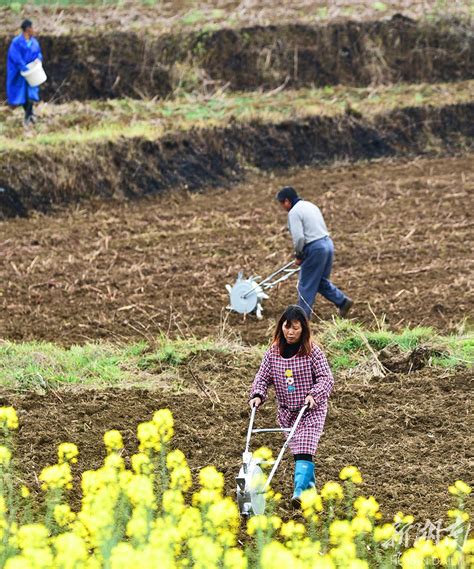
[28, 106]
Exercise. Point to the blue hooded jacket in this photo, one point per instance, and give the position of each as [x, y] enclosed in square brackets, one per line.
[20, 53]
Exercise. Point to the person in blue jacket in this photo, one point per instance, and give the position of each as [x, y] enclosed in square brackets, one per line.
[23, 49]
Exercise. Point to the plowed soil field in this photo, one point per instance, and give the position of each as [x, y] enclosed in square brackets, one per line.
[410, 434]
[120, 271]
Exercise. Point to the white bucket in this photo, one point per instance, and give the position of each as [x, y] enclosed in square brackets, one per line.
[35, 74]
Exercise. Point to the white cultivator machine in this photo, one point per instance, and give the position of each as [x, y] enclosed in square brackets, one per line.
[252, 484]
[247, 295]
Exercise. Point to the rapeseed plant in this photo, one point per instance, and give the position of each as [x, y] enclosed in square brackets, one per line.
[145, 515]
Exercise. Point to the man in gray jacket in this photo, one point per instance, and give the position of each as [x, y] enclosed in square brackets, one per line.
[314, 251]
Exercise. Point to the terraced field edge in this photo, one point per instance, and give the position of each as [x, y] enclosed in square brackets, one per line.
[127, 64]
[44, 177]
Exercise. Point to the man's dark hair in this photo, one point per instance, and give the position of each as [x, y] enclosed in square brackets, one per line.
[287, 193]
[26, 24]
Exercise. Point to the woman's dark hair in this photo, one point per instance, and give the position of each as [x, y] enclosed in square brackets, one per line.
[26, 24]
[291, 314]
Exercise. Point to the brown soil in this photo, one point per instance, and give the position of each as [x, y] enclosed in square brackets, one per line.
[402, 232]
[124, 63]
[39, 177]
[411, 435]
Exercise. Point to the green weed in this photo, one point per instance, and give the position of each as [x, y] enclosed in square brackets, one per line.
[347, 344]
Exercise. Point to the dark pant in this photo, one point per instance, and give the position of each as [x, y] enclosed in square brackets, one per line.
[314, 275]
[28, 107]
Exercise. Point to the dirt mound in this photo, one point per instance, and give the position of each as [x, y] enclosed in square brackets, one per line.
[409, 434]
[119, 64]
[40, 178]
[398, 361]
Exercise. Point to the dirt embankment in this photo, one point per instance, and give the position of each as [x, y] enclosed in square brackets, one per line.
[46, 176]
[409, 434]
[118, 64]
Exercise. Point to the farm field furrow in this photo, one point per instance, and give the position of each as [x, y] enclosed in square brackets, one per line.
[134, 270]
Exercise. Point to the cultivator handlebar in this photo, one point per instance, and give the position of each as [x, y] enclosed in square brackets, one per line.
[267, 283]
[250, 486]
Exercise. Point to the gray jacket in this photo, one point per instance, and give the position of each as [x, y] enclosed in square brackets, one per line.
[306, 224]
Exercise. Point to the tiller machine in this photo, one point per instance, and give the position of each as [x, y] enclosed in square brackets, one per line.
[246, 295]
[251, 483]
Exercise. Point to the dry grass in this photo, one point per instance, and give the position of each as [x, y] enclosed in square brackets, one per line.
[63, 17]
[91, 122]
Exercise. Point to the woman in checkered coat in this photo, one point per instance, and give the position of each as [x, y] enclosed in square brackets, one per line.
[300, 373]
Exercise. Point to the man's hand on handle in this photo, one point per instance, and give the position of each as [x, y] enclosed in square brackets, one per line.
[255, 402]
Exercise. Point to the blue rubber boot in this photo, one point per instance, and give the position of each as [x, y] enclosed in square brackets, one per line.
[304, 479]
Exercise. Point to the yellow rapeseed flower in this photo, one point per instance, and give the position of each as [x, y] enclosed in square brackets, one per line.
[263, 523]
[345, 554]
[163, 419]
[458, 514]
[468, 551]
[8, 418]
[292, 530]
[275, 555]
[67, 452]
[140, 491]
[332, 491]
[173, 503]
[113, 441]
[351, 473]
[384, 533]
[211, 478]
[190, 523]
[71, 551]
[180, 478]
[124, 556]
[114, 462]
[5, 456]
[63, 515]
[366, 506]
[176, 459]
[224, 514]
[401, 518]
[56, 477]
[361, 524]
[25, 492]
[205, 552]
[18, 562]
[235, 558]
[311, 502]
[141, 464]
[447, 552]
[32, 536]
[263, 454]
[460, 488]
[149, 437]
[341, 531]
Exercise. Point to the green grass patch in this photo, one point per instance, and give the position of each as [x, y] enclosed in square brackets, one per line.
[348, 344]
[42, 365]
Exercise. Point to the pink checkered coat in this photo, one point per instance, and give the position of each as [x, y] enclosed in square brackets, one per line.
[295, 378]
